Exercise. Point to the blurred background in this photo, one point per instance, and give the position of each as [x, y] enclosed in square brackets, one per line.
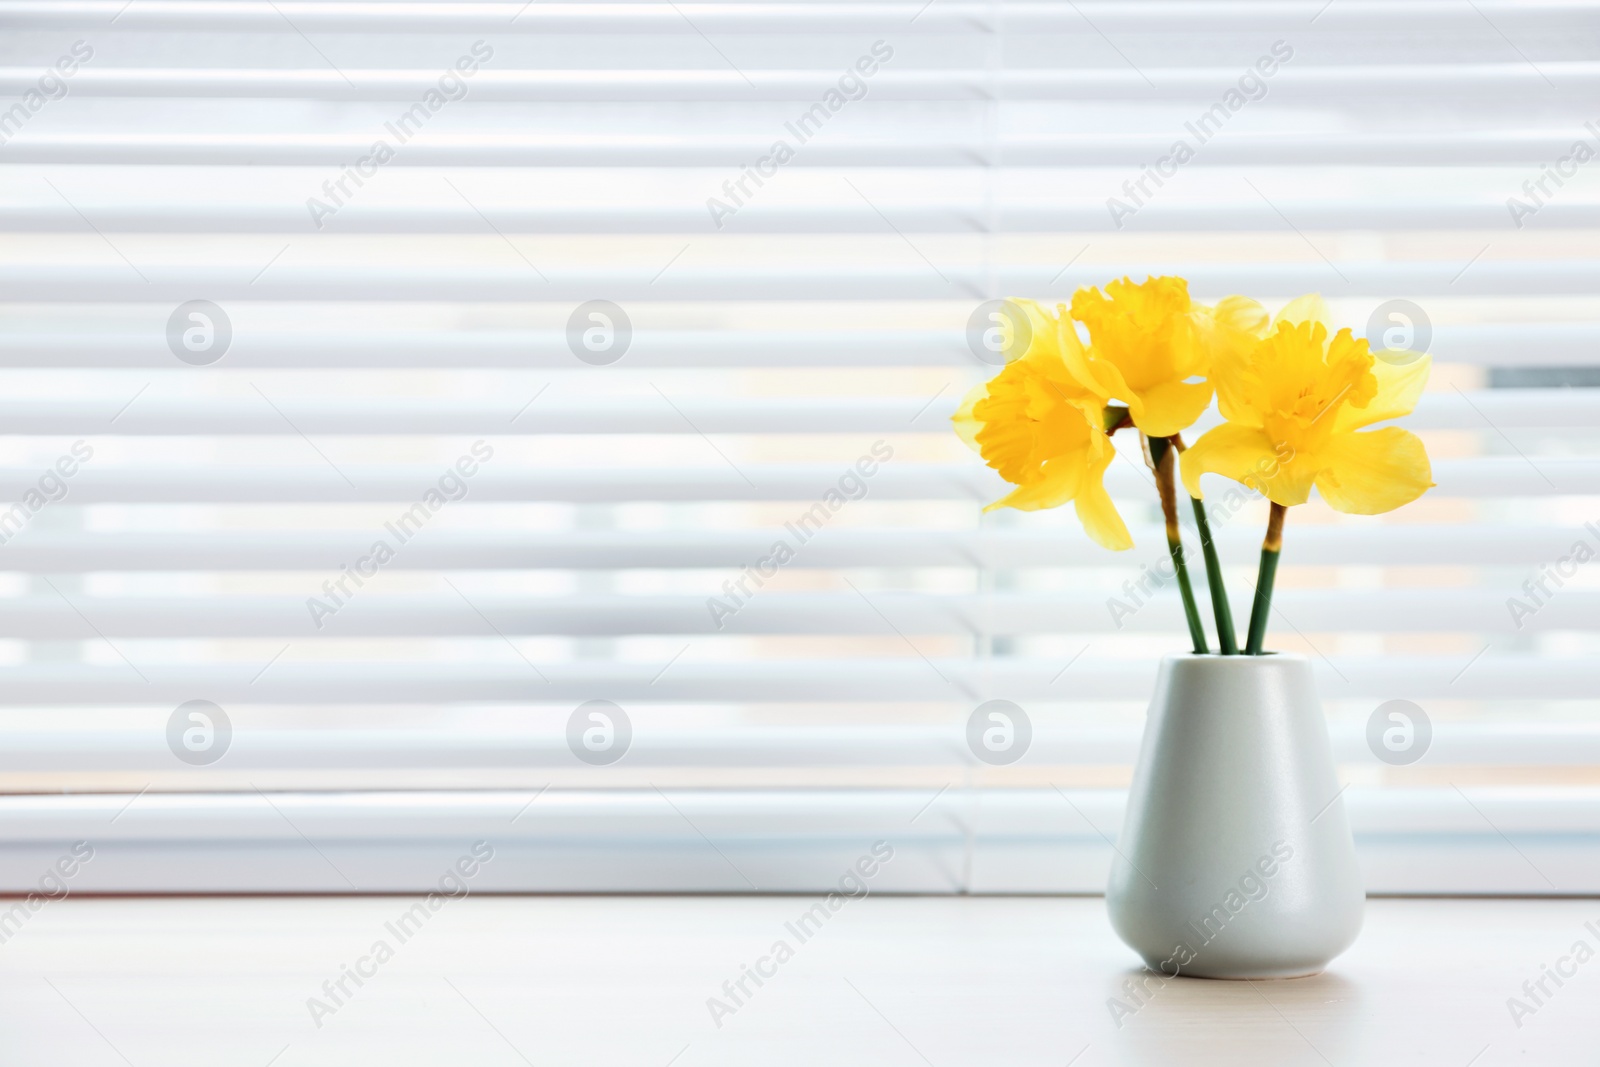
[276, 275]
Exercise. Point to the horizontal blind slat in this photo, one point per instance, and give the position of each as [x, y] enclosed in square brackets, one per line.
[1371, 213]
[1241, 148]
[914, 17]
[1547, 744]
[452, 549]
[1456, 83]
[1482, 477]
[916, 279]
[961, 682]
[345, 613]
[1496, 409]
[1542, 344]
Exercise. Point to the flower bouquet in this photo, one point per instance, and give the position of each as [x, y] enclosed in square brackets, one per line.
[1235, 858]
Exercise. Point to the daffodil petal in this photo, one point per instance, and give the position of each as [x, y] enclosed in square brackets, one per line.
[1099, 515]
[1171, 407]
[1308, 308]
[1074, 354]
[1374, 472]
[1056, 353]
[1242, 314]
[1248, 456]
[1041, 341]
[1104, 380]
[1063, 479]
[1286, 478]
[1401, 378]
[967, 424]
[1238, 325]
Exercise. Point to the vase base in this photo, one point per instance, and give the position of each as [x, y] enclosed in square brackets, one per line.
[1252, 974]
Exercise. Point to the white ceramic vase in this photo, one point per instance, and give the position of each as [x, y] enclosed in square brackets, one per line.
[1235, 858]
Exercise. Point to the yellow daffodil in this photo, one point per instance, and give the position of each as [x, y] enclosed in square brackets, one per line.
[1042, 429]
[1152, 348]
[1294, 403]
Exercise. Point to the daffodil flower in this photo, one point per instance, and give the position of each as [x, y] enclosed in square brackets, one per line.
[1297, 405]
[1043, 429]
[1152, 348]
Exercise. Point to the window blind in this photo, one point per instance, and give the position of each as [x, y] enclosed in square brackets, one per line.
[529, 422]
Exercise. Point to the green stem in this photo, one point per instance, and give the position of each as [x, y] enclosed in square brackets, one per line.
[1219, 595]
[1270, 548]
[1164, 459]
[1191, 611]
[1226, 639]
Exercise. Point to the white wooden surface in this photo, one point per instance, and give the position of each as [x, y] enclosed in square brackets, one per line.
[886, 981]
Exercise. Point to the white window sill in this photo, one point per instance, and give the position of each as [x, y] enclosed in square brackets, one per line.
[887, 980]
